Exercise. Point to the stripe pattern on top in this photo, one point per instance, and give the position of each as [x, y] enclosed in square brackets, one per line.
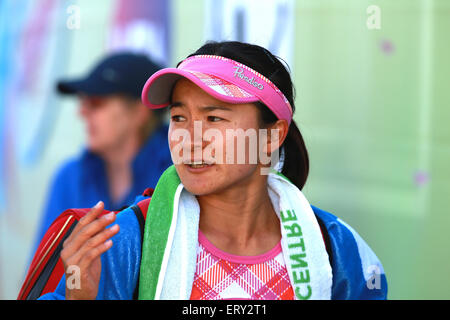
[220, 275]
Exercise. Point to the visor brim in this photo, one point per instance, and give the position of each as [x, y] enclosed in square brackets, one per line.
[158, 88]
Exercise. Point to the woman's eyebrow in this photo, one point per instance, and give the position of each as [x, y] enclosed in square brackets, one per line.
[213, 108]
[203, 109]
[175, 104]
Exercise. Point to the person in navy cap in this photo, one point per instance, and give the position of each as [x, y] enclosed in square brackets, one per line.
[127, 148]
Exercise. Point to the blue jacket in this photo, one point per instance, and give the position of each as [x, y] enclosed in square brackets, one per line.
[357, 272]
[82, 182]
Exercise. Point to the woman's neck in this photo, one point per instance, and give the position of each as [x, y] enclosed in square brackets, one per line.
[241, 220]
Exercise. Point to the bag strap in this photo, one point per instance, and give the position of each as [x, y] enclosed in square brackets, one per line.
[140, 218]
[140, 211]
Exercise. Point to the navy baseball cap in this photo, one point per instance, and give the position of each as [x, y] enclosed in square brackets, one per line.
[119, 73]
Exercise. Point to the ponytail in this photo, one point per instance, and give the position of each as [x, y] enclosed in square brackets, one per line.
[296, 160]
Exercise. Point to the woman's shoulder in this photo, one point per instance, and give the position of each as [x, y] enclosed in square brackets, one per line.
[336, 228]
[128, 223]
[344, 238]
[131, 220]
[120, 264]
[128, 239]
[357, 271]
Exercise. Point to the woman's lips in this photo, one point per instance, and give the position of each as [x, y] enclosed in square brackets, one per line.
[197, 167]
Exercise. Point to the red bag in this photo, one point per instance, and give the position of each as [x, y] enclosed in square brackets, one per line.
[46, 268]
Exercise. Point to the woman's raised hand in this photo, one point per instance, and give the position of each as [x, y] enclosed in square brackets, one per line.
[82, 250]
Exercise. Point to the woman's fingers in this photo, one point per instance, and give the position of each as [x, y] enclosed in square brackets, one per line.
[88, 218]
[90, 227]
[96, 245]
[83, 248]
[87, 232]
[94, 253]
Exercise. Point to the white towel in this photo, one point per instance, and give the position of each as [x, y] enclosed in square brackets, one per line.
[302, 242]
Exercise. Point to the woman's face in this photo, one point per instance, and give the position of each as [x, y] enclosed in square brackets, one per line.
[213, 143]
[110, 122]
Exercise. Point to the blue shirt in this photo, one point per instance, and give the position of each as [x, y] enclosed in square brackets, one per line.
[82, 182]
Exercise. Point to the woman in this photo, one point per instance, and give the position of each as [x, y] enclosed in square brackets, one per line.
[219, 227]
[121, 134]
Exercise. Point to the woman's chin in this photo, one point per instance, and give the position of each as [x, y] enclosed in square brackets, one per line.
[213, 179]
[197, 190]
[201, 187]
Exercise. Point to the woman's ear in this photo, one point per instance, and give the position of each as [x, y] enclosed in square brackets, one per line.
[276, 134]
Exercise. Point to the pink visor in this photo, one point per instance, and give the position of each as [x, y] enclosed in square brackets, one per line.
[222, 78]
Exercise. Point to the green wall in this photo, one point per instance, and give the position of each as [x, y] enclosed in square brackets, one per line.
[374, 106]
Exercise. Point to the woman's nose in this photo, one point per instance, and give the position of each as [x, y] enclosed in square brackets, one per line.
[196, 139]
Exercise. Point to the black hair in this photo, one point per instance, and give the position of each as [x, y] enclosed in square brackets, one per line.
[296, 161]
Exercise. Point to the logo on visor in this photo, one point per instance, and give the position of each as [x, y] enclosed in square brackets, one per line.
[240, 74]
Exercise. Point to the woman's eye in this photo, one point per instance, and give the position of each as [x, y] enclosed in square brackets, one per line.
[214, 119]
[177, 118]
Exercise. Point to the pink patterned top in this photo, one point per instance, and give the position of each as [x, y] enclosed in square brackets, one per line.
[220, 275]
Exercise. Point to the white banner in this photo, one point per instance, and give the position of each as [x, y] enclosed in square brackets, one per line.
[268, 23]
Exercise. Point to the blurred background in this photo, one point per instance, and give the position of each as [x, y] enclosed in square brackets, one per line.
[373, 103]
